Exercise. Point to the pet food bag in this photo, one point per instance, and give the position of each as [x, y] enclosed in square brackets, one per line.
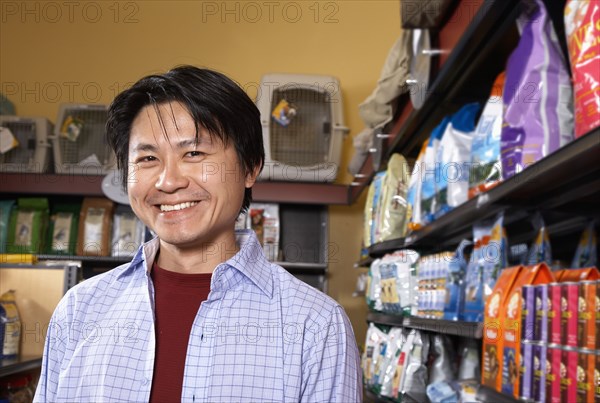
[62, 232]
[453, 160]
[10, 326]
[413, 196]
[27, 228]
[489, 257]
[538, 105]
[486, 168]
[428, 172]
[586, 253]
[392, 222]
[128, 232]
[6, 207]
[540, 250]
[95, 222]
[582, 27]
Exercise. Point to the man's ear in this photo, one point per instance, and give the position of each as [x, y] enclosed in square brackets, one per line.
[251, 177]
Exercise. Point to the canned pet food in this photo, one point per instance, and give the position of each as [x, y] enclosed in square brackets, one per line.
[568, 374]
[538, 384]
[553, 361]
[586, 318]
[540, 331]
[526, 370]
[598, 322]
[528, 313]
[568, 314]
[586, 362]
[554, 319]
[597, 377]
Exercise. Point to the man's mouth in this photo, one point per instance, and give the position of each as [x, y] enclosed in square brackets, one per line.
[176, 207]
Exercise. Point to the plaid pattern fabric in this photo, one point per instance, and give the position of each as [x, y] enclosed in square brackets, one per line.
[261, 336]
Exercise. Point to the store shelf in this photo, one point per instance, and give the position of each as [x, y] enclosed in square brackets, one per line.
[385, 319]
[364, 262]
[468, 73]
[488, 395]
[304, 268]
[472, 330]
[21, 364]
[568, 180]
[101, 260]
[371, 397]
[91, 185]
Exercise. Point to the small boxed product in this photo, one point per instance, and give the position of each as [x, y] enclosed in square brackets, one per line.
[264, 220]
[493, 334]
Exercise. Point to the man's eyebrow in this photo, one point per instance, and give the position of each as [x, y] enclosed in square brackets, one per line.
[145, 147]
[192, 142]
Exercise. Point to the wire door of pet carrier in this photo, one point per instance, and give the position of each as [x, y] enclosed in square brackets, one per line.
[303, 127]
[80, 146]
[26, 146]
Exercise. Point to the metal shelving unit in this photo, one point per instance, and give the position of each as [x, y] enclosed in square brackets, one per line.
[564, 186]
[567, 181]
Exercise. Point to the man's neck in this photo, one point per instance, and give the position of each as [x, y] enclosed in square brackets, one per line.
[203, 258]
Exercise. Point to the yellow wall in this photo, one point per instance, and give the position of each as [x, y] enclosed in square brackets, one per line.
[55, 51]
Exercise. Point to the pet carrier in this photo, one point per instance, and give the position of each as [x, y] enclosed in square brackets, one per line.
[31, 151]
[303, 127]
[79, 140]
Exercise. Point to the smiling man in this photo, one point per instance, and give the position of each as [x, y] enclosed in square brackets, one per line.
[199, 314]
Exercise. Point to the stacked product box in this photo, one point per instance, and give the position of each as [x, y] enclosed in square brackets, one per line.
[560, 350]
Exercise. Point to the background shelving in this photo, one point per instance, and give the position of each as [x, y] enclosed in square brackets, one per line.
[10, 366]
[472, 330]
[565, 186]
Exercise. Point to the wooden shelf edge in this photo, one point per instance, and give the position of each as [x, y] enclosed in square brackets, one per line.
[20, 364]
[91, 185]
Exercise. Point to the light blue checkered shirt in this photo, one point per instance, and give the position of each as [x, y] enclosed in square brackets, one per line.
[261, 336]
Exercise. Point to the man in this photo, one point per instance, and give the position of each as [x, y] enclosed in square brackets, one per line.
[198, 315]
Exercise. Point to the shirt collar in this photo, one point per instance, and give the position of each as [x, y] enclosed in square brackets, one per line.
[250, 260]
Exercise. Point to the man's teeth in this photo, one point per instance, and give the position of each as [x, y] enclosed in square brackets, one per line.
[180, 206]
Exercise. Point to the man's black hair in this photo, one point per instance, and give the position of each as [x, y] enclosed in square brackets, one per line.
[215, 103]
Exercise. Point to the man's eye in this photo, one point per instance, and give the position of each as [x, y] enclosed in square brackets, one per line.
[147, 158]
[195, 153]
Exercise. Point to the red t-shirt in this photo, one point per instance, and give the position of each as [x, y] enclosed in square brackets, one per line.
[177, 300]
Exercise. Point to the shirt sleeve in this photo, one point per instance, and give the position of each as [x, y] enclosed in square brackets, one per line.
[331, 372]
[54, 350]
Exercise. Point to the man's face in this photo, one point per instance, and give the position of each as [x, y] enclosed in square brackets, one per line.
[189, 193]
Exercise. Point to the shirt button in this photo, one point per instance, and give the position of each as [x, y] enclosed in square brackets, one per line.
[145, 381]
